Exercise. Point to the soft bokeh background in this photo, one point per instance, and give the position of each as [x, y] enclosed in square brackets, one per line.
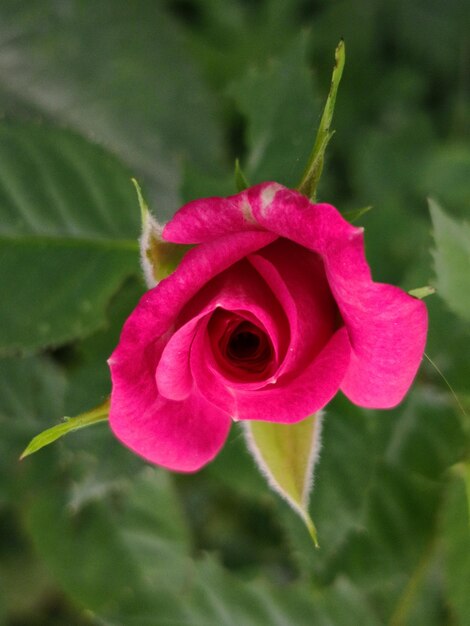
[92, 93]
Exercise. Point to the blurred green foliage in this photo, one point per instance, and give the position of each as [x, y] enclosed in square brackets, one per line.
[171, 92]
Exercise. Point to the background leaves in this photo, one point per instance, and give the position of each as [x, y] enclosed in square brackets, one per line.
[171, 92]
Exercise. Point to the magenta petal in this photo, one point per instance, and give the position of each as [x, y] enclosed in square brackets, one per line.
[159, 307]
[139, 415]
[288, 400]
[388, 333]
[173, 374]
[181, 436]
[203, 220]
[297, 277]
[386, 326]
[238, 289]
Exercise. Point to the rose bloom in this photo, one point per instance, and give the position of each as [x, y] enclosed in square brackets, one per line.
[270, 314]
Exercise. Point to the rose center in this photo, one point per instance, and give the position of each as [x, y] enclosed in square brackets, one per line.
[248, 347]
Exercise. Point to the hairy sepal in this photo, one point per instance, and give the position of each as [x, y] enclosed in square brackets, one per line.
[158, 258]
[286, 455]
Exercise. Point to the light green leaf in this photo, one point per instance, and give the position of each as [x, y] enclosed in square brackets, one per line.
[452, 260]
[159, 258]
[68, 235]
[312, 174]
[286, 455]
[96, 415]
[422, 292]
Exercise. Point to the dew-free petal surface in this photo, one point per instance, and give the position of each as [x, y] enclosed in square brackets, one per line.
[387, 327]
[182, 436]
[239, 289]
[137, 408]
[290, 399]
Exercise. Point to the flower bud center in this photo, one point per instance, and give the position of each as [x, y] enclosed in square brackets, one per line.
[242, 349]
[248, 346]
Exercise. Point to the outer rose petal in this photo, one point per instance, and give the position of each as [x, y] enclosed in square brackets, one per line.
[388, 345]
[179, 435]
[387, 328]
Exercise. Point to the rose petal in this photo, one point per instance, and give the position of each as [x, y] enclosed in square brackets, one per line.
[297, 277]
[287, 401]
[136, 405]
[173, 375]
[387, 327]
[181, 436]
[159, 307]
[238, 289]
[388, 335]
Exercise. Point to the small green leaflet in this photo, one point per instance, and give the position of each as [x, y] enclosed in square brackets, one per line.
[159, 258]
[311, 176]
[422, 292]
[96, 415]
[355, 214]
[241, 182]
[285, 455]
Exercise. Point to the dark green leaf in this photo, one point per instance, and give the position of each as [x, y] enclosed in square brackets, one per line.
[277, 139]
[117, 72]
[68, 235]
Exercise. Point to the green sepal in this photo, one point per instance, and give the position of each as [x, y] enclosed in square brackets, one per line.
[96, 415]
[159, 258]
[241, 182]
[355, 214]
[311, 176]
[422, 292]
[286, 454]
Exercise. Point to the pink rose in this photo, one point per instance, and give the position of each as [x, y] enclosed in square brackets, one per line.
[266, 318]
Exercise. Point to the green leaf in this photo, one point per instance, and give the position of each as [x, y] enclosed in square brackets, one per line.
[286, 455]
[32, 394]
[276, 139]
[68, 235]
[138, 533]
[96, 415]
[159, 258]
[354, 215]
[391, 549]
[241, 182]
[312, 174]
[422, 292]
[452, 260]
[140, 96]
